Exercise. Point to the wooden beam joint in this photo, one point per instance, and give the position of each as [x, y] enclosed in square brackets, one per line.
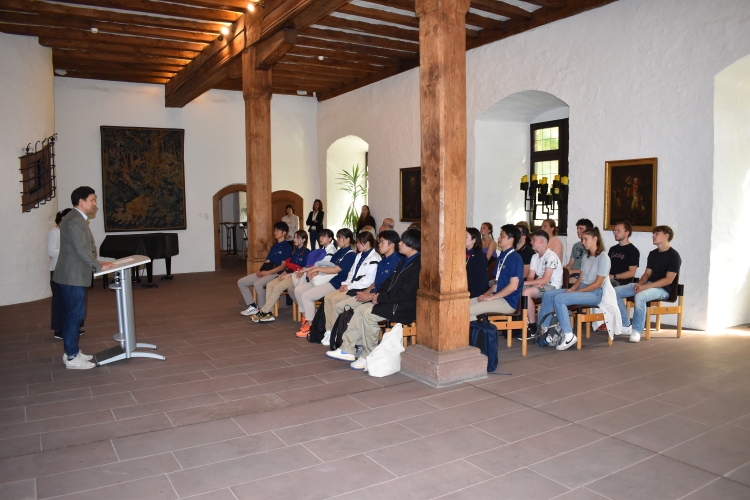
[271, 50]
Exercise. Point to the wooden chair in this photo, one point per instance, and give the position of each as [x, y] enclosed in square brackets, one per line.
[518, 320]
[410, 331]
[676, 294]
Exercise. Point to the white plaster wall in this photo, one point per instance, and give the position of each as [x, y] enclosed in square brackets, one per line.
[386, 116]
[638, 77]
[502, 157]
[214, 148]
[343, 154]
[729, 282]
[27, 115]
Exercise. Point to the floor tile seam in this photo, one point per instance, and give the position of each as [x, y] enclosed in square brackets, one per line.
[250, 354]
[653, 454]
[248, 374]
[490, 396]
[536, 407]
[83, 412]
[207, 351]
[362, 428]
[582, 487]
[57, 430]
[580, 422]
[707, 484]
[178, 383]
[89, 386]
[105, 486]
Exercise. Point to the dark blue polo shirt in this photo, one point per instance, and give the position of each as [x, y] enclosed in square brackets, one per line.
[345, 261]
[512, 266]
[279, 253]
[299, 256]
[385, 269]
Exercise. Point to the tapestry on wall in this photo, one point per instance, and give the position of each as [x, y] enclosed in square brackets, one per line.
[143, 176]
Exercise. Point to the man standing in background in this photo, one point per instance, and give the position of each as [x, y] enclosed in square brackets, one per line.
[73, 272]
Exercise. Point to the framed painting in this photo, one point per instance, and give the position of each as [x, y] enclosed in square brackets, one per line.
[143, 179]
[630, 193]
[410, 194]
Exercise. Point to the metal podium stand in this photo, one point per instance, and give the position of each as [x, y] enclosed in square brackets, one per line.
[123, 285]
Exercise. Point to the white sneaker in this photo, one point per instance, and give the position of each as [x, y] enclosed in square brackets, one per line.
[86, 357]
[360, 364]
[569, 340]
[251, 310]
[625, 330]
[635, 337]
[340, 355]
[326, 338]
[78, 363]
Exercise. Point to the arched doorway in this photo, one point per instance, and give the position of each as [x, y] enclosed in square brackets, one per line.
[342, 155]
[232, 188]
[729, 270]
[502, 135]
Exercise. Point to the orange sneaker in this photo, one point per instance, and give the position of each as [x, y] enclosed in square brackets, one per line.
[304, 330]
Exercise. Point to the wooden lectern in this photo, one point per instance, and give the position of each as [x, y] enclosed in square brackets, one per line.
[123, 285]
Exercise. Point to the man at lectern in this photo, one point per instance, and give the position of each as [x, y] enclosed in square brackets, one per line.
[73, 272]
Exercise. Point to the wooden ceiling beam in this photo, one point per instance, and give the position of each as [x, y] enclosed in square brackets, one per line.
[316, 70]
[500, 8]
[116, 78]
[239, 6]
[314, 13]
[539, 18]
[484, 22]
[319, 76]
[407, 5]
[268, 52]
[323, 96]
[552, 4]
[65, 63]
[331, 63]
[167, 9]
[40, 7]
[295, 88]
[361, 39]
[62, 43]
[305, 41]
[373, 29]
[380, 15]
[306, 84]
[279, 17]
[111, 56]
[42, 32]
[347, 56]
[103, 26]
[95, 68]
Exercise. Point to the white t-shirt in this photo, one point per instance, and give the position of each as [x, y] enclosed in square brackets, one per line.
[549, 260]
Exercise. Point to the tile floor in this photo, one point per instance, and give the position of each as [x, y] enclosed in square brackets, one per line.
[248, 411]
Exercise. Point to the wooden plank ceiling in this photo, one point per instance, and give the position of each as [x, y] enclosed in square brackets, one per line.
[323, 48]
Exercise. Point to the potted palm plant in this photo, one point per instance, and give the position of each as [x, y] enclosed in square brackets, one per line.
[353, 183]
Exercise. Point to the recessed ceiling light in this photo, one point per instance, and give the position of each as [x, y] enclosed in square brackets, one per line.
[95, 30]
[302, 92]
[61, 72]
[320, 58]
[224, 30]
[251, 7]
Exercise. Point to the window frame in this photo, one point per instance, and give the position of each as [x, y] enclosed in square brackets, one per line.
[560, 154]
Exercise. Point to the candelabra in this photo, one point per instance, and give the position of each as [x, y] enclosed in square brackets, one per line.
[538, 193]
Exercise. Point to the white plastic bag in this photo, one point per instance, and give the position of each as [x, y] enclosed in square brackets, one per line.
[385, 359]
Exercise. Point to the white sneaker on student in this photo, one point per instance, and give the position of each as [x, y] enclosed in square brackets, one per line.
[250, 311]
[341, 355]
[86, 357]
[625, 330]
[78, 363]
[635, 337]
[569, 340]
[326, 338]
[360, 364]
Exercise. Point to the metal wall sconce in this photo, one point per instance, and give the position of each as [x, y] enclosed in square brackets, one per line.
[539, 193]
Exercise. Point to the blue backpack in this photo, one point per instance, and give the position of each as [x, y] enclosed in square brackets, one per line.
[483, 334]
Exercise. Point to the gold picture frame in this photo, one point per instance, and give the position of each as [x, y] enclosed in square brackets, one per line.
[410, 194]
[630, 193]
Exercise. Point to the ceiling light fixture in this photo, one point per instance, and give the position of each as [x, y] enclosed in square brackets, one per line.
[320, 58]
[251, 6]
[95, 30]
[302, 92]
[224, 30]
[61, 72]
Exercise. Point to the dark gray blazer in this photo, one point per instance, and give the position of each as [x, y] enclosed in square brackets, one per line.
[77, 259]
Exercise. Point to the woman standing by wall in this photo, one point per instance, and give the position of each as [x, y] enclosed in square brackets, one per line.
[315, 222]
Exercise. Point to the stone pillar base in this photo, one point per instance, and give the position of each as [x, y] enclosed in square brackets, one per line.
[440, 369]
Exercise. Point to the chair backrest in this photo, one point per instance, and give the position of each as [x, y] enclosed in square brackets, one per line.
[566, 278]
[675, 290]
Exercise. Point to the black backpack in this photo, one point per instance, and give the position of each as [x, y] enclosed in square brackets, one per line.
[340, 326]
[483, 334]
[552, 334]
[318, 326]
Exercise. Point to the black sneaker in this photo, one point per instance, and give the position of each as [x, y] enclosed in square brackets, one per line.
[530, 334]
[58, 335]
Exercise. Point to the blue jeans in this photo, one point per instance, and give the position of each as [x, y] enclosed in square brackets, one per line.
[640, 299]
[559, 300]
[314, 235]
[75, 311]
[58, 306]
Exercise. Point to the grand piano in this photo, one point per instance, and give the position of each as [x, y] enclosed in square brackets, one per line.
[153, 245]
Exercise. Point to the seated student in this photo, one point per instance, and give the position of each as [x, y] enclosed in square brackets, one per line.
[662, 267]
[395, 301]
[476, 263]
[390, 258]
[549, 226]
[276, 287]
[307, 294]
[625, 256]
[324, 253]
[488, 240]
[576, 253]
[545, 274]
[523, 247]
[508, 279]
[360, 277]
[279, 252]
[587, 290]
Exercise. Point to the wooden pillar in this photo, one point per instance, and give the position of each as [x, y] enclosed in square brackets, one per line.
[443, 356]
[256, 89]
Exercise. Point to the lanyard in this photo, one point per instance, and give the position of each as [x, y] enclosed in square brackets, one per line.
[361, 260]
[500, 267]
